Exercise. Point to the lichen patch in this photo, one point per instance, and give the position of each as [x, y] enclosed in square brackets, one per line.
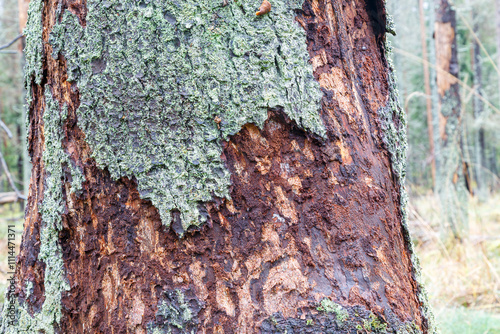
[161, 84]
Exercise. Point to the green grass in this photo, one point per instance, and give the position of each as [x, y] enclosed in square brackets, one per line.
[462, 278]
[461, 320]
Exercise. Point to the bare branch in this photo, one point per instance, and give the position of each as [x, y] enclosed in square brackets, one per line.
[9, 197]
[5, 128]
[9, 177]
[11, 42]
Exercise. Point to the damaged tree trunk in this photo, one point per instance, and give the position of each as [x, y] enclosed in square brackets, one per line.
[450, 167]
[201, 169]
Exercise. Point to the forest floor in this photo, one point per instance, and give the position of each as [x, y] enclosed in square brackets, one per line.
[462, 278]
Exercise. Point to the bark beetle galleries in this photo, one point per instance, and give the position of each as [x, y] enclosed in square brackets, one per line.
[310, 219]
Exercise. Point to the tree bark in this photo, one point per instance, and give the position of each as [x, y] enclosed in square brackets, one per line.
[450, 180]
[311, 235]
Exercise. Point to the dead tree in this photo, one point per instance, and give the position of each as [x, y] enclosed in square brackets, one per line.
[198, 168]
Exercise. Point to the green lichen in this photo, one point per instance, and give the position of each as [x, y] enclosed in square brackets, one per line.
[54, 156]
[33, 52]
[177, 313]
[409, 328]
[393, 121]
[333, 318]
[389, 25]
[52, 207]
[373, 324]
[154, 76]
[328, 306]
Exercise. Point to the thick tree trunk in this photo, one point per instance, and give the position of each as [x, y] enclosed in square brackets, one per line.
[200, 169]
[450, 181]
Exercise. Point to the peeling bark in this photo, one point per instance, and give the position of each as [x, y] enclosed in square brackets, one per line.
[311, 240]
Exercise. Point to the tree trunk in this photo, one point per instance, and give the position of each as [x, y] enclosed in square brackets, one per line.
[497, 23]
[201, 169]
[478, 107]
[427, 87]
[450, 181]
[22, 6]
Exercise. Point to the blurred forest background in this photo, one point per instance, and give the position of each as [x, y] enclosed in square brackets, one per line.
[453, 170]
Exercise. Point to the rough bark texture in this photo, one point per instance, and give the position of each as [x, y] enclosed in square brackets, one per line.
[450, 181]
[312, 240]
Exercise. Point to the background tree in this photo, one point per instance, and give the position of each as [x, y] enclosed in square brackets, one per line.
[437, 250]
[427, 86]
[199, 168]
[478, 108]
[497, 21]
[450, 166]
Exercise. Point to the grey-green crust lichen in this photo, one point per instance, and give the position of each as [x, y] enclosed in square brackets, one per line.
[51, 209]
[161, 83]
[328, 306]
[333, 318]
[177, 313]
[33, 52]
[393, 122]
